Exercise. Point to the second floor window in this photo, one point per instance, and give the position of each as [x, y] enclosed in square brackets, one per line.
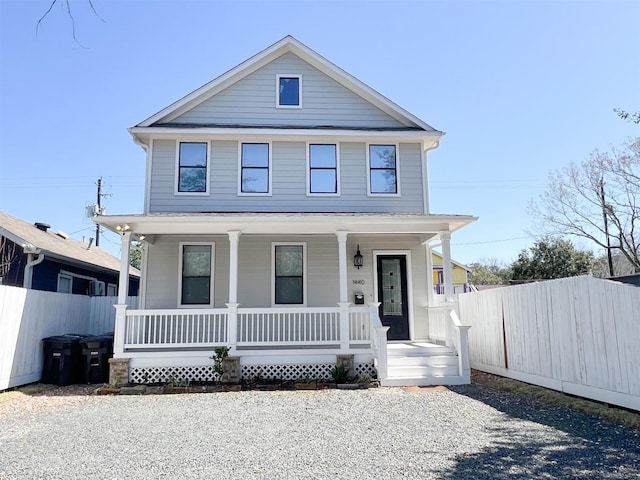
[254, 162]
[323, 169]
[192, 167]
[383, 173]
[289, 91]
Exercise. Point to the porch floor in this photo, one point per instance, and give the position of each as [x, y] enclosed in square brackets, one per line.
[421, 364]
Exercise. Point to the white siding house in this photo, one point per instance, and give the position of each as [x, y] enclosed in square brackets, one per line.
[287, 217]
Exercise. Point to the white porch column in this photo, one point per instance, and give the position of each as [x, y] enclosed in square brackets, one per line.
[429, 264]
[344, 295]
[234, 237]
[447, 273]
[342, 261]
[123, 281]
[123, 291]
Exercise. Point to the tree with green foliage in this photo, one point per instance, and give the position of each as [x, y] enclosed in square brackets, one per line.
[549, 258]
[489, 272]
[135, 255]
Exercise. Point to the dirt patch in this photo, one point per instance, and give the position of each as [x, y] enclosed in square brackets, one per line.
[599, 409]
[438, 388]
[38, 397]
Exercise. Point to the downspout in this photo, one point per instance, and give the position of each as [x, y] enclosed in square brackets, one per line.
[31, 262]
[425, 183]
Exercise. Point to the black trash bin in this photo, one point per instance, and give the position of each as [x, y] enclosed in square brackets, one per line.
[62, 359]
[96, 352]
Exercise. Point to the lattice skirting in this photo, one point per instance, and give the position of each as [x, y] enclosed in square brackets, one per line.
[205, 373]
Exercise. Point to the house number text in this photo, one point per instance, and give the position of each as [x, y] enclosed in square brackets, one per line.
[358, 282]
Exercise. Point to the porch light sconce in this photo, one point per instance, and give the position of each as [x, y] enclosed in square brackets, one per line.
[357, 259]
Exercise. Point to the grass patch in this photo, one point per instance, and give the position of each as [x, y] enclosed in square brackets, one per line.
[615, 414]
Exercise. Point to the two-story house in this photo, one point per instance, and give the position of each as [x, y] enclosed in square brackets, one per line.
[286, 216]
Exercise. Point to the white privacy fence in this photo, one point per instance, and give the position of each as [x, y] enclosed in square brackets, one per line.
[28, 316]
[579, 335]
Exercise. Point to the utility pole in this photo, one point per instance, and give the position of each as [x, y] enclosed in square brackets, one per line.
[606, 227]
[99, 210]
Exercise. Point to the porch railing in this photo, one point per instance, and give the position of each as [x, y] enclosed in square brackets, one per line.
[285, 326]
[445, 326]
[175, 328]
[186, 328]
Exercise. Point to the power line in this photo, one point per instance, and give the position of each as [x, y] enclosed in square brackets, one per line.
[494, 241]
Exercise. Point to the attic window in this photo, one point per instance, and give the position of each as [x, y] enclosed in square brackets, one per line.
[289, 91]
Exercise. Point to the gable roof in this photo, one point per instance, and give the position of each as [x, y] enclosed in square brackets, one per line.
[453, 262]
[287, 44]
[52, 244]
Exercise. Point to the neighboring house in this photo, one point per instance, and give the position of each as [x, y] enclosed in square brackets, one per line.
[35, 257]
[459, 275]
[286, 215]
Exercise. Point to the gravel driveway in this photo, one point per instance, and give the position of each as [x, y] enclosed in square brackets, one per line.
[387, 433]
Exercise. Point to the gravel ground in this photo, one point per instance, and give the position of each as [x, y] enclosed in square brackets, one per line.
[474, 432]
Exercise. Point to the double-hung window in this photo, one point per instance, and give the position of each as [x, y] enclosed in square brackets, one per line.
[383, 170]
[192, 167]
[323, 169]
[196, 274]
[289, 91]
[289, 264]
[255, 178]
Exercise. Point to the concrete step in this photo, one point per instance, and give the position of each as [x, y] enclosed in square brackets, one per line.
[431, 360]
[424, 381]
[421, 371]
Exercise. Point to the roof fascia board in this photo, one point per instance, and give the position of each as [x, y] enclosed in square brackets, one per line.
[13, 237]
[219, 83]
[288, 44]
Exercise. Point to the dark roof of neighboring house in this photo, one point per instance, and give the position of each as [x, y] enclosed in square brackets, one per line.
[59, 246]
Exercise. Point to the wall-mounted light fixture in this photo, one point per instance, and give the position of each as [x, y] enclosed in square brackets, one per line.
[122, 228]
[357, 259]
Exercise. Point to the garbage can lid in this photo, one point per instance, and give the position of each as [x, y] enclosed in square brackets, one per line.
[68, 338]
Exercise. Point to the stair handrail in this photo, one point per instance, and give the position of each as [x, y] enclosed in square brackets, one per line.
[461, 343]
[378, 341]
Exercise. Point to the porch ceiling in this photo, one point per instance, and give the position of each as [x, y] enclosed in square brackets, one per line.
[283, 223]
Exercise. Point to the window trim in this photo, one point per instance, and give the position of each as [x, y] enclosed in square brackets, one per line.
[337, 169]
[240, 193]
[289, 75]
[368, 153]
[176, 182]
[304, 275]
[211, 281]
[113, 286]
[68, 277]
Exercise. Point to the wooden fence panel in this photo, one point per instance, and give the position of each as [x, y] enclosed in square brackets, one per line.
[580, 335]
[28, 316]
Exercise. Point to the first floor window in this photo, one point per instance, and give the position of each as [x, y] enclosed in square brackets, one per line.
[192, 167]
[255, 168]
[289, 274]
[196, 267]
[112, 290]
[383, 169]
[323, 169]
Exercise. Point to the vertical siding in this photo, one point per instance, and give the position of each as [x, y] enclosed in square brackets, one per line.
[28, 316]
[252, 101]
[579, 335]
[289, 182]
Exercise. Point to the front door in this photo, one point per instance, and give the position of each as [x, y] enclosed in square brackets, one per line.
[392, 295]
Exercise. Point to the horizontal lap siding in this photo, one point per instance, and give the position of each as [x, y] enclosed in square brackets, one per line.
[252, 100]
[289, 182]
[254, 270]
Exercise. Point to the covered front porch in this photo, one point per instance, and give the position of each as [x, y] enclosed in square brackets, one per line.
[163, 338]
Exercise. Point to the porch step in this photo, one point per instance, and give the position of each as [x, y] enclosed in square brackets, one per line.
[421, 364]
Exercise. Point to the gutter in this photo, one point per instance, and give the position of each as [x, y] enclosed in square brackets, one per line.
[32, 261]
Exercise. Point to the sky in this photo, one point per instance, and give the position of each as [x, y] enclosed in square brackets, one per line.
[520, 87]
